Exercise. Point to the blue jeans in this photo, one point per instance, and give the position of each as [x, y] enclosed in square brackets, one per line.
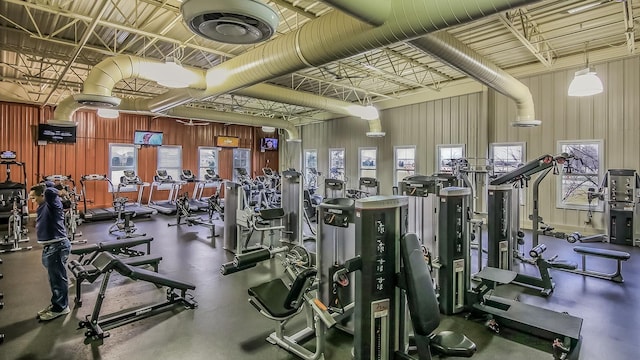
[54, 259]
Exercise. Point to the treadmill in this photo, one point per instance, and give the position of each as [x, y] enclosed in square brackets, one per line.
[162, 179]
[97, 214]
[131, 179]
[194, 204]
[211, 180]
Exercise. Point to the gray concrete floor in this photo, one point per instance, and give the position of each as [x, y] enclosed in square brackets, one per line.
[226, 326]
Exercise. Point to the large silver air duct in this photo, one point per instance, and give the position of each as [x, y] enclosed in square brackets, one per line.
[336, 36]
[453, 52]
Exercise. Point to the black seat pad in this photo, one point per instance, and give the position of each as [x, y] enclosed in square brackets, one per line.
[610, 254]
[421, 298]
[450, 343]
[154, 277]
[563, 264]
[271, 295]
[272, 214]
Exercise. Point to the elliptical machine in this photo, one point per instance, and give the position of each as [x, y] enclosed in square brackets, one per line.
[13, 204]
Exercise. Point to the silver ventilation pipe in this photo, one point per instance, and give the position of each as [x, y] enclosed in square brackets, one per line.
[453, 52]
[104, 76]
[336, 36]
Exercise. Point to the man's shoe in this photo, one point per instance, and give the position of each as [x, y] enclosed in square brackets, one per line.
[50, 315]
[48, 308]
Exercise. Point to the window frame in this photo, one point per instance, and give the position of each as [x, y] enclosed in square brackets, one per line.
[169, 169]
[112, 168]
[201, 168]
[373, 167]
[344, 164]
[601, 171]
[523, 146]
[307, 176]
[439, 147]
[396, 168]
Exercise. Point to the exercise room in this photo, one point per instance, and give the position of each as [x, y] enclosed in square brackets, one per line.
[304, 179]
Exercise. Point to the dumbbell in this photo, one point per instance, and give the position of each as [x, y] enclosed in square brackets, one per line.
[573, 237]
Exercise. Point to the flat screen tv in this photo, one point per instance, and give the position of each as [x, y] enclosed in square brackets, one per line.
[59, 134]
[268, 144]
[141, 137]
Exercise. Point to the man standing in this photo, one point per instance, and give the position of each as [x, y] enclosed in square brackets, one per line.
[52, 234]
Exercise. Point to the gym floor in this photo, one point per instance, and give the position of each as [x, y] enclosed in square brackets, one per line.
[225, 326]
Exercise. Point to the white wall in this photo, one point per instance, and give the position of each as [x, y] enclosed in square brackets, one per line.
[480, 118]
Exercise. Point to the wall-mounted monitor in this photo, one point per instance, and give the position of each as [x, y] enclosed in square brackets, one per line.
[59, 134]
[153, 138]
[268, 144]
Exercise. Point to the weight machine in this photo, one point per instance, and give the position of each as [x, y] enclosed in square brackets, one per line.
[504, 234]
[185, 212]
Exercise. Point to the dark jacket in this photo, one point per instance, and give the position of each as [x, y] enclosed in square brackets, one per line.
[50, 218]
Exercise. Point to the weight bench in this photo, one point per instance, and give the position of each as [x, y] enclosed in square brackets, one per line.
[106, 263]
[118, 247]
[619, 256]
[280, 301]
[424, 308]
[91, 273]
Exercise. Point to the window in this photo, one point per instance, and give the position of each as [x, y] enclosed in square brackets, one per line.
[579, 174]
[207, 159]
[506, 157]
[446, 156]
[336, 164]
[311, 169]
[242, 160]
[123, 157]
[170, 159]
[405, 162]
[368, 162]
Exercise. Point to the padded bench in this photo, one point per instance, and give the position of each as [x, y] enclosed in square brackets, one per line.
[117, 247]
[619, 256]
[91, 273]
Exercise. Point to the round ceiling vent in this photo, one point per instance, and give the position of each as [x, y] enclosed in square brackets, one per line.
[231, 22]
[97, 100]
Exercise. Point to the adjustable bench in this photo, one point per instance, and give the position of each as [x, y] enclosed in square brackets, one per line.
[118, 247]
[619, 256]
[91, 273]
[106, 263]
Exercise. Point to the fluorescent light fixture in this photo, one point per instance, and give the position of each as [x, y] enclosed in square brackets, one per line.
[108, 113]
[583, 7]
[173, 75]
[268, 129]
[585, 83]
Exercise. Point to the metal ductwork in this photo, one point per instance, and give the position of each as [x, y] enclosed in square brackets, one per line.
[335, 36]
[231, 22]
[105, 75]
[453, 52]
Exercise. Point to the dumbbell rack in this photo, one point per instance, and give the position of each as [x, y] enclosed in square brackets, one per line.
[1, 306]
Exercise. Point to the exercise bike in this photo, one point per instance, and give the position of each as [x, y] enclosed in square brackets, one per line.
[123, 220]
[17, 228]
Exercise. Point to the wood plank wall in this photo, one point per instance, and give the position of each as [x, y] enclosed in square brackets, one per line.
[89, 155]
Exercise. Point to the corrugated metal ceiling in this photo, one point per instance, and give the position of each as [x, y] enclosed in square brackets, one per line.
[37, 39]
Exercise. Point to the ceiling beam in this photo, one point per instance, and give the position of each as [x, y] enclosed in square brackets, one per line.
[541, 49]
[629, 27]
[121, 27]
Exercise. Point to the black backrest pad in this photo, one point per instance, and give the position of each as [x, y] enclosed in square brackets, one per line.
[298, 287]
[421, 297]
